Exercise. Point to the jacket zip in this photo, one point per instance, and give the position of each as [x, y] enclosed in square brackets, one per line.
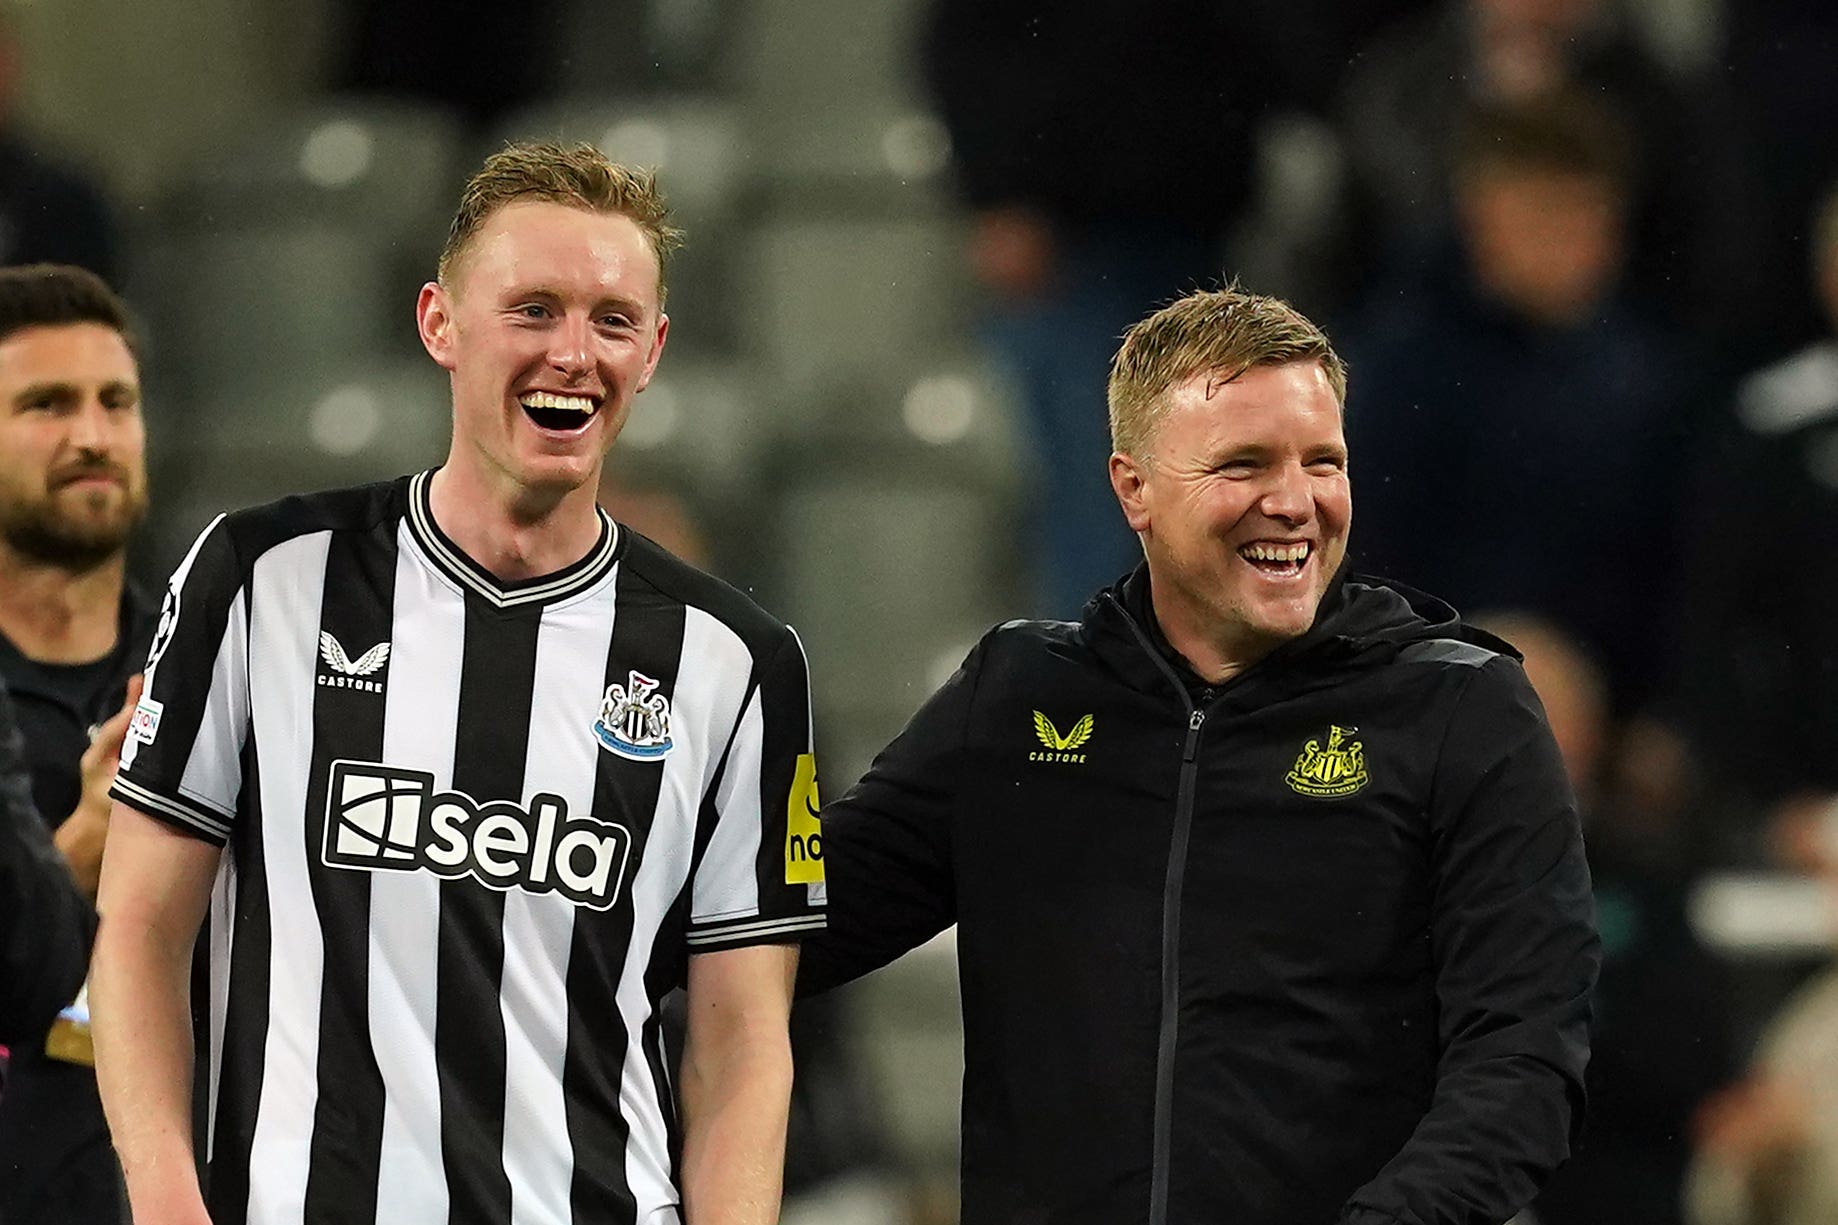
[1169, 1034]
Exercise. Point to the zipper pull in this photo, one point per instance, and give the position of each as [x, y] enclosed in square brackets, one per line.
[1193, 734]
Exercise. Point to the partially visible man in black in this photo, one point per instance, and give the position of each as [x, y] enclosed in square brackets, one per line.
[45, 923]
[1269, 884]
[73, 484]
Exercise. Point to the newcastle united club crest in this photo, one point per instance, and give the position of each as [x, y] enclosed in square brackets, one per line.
[634, 719]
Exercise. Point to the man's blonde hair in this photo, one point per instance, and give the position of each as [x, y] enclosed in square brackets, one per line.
[577, 175]
[1222, 331]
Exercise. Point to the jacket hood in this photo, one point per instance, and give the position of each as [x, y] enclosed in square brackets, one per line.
[1363, 620]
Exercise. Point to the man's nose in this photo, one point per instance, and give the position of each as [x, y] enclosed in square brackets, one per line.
[90, 426]
[1290, 496]
[570, 352]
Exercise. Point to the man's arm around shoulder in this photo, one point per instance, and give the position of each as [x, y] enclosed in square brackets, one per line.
[156, 885]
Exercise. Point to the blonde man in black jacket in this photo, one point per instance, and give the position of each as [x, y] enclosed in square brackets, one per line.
[1269, 883]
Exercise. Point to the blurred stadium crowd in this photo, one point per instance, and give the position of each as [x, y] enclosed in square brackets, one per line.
[1581, 255]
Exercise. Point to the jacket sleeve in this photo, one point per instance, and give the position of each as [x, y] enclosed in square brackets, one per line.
[46, 924]
[887, 845]
[1516, 953]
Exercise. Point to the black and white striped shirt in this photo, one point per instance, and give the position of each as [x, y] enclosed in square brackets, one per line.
[474, 830]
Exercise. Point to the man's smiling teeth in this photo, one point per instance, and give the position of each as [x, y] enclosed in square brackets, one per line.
[549, 399]
[1276, 552]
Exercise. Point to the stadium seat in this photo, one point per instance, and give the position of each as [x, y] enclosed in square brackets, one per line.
[873, 161]
[634, 46]
[841, 304]
[700, 429]
[384, 169]
[889, 579]
[341, 426]
[246, 311]
[842, 54]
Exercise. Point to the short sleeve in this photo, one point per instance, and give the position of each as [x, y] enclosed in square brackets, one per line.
[181, 760]
[759, 878]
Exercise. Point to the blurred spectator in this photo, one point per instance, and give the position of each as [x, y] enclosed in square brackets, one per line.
[1692, 207]
[1662, 1039]
[480, 59]
[45, 923]
[73, 485]
[1760, 671]
[1768, 1146]
[1780, 68]
[1517, 438]
[49, 212]
[1106, 152]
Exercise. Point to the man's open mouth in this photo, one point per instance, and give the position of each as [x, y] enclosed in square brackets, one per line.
[1278, 560]
[553, 411]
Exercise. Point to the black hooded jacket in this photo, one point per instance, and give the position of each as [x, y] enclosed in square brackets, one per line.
[1315, 945]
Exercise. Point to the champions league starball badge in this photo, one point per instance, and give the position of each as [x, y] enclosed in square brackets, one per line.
[634, 719]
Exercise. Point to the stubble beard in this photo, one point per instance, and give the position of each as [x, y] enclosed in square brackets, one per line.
[41, 531]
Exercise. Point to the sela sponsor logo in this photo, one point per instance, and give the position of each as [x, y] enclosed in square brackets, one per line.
[634, 719]
[1057, 747]
[382, 818]
[343, 672]
[1336, 770]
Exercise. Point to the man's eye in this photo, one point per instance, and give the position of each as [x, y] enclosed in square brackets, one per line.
[533, 310]
[615, 321]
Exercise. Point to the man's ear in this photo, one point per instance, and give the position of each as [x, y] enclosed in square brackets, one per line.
[657, 351]
[434, 321]
[1129, 481]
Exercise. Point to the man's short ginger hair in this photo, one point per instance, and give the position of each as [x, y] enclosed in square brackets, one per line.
[576, 175]
[1222, 331]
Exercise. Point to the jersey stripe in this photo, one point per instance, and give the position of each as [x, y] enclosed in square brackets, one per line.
[359, 587]
[491, 742]
[287, 578]
[539, 927]
[707, 690]
[243, 893]
[647, 638]
[428, 645]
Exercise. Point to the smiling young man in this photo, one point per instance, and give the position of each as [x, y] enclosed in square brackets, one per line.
[466, 777]
[1270, 892]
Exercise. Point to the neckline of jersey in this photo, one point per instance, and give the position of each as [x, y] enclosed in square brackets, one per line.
[452, 561]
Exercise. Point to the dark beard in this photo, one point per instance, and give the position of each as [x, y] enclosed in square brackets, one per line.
[38, 532]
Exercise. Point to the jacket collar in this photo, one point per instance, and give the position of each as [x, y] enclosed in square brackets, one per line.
[1362, 621]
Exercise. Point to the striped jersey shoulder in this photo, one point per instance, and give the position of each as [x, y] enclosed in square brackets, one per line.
[254, 530]
[676, 580]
